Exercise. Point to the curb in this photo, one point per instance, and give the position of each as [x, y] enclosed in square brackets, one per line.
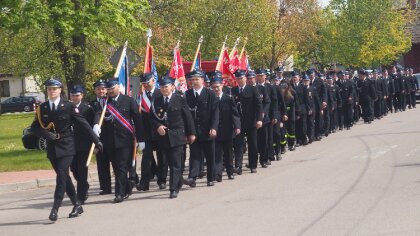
[38, 183]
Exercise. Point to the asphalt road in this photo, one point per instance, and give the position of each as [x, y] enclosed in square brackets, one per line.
[365, 181]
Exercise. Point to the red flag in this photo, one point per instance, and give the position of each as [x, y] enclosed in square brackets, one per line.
[243, 63]
[148, 59]
[225, 69]
[177, 71]
[234, 62]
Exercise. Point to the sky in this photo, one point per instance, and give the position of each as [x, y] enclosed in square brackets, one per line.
[324, 2]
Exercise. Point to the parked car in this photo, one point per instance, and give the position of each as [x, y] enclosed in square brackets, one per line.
[19, 104]
[32, 141]
[418, 90]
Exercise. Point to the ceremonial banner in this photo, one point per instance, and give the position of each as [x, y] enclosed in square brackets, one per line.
[121, 73]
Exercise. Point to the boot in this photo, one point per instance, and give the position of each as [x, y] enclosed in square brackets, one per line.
[77, 209]
[53, 214]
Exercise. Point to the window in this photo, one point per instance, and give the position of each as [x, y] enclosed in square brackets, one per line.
[4, 88]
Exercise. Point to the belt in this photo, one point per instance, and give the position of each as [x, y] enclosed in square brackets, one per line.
[59, 136]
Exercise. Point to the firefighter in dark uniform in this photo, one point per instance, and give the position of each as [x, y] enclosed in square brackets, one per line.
[283, 116]
[229, 127]
[367, 95]
[262, 137]
[150, 138]
[82, 143]
[204, 109]
[120, 129]
[290, 124]
[396, 81]
[414, 87]
[380, 91]
[302, 101]
[53, 121]
[403, 89]
[249, 104]
[272, 115]
[390, 90]
[310, 121]
[103, 162]
[174, 124]
[334, 104]
[321, 91]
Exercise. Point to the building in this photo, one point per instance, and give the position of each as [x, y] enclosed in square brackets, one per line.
[412, 58]
[12, 86]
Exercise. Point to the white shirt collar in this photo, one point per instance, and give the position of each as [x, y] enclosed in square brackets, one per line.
[220, 96]
[243, 87]
[170, 95]
[56, 102]
[77, 105]
[116, 98]
[198, 91]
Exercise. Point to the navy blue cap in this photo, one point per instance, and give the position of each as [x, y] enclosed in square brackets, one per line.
[251, 74]
[216, 79]
[240, 73]
[310, 71]
[146, 77]
[284, 85]
[279, 69]
[196, 73]
[165, 80]
[111, 83]
[216, 74]
[305, 77]
[340, 72]
[100, 83]
[207, 79]
[294, 73]
[329, 77]
[261, 71]
[321, 75]
[77, 90]
[53, 83]
[362, 72]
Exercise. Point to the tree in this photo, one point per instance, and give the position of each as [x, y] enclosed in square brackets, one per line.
[66, 37]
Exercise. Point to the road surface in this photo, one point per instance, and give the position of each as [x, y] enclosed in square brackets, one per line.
[365, 181]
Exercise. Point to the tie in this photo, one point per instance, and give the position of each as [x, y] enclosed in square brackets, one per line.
[240, 90]
[148, 93]
[218, 98]
[166, 101]
[53, 107]
[196, 95]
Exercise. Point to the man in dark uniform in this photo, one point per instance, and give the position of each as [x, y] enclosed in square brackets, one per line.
[261, 132]
[396, 81]
[403, 89]
[321, 91]
[282, 116]
[249, 104]
[150, 137]
[53, 122]
[82, 143]
[279, 75]
[380, 91]
[310, 121]
[203, 105]
[174, 124]
[302, 109]
[229, 127]
[367, 95]
[103, 162]
[272, 114]
[414, 87]
[334, 104]
[119, 135]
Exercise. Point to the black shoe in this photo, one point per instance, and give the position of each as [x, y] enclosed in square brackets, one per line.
[268, 163]
[231, 177]
[263, 165]
[253, 171]
[53, 214]
[202, 174]
[292, 148]
[142, 187]
[77, 210]
[126, 196]
[173, 194]
[278, 157]
[118, 199]
[218, 178]
[283, 150]
[105, 192]
[190, 182]
[305, 142]
[318, 138]
[162, 186]
[210, 183]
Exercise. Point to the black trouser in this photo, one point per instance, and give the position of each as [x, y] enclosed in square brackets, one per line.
[276, 138]
[63, 181]
[224, 156]
[340, 117]
[291, 133]
[378, 106]
[174, 157]
[270, 147]
[389, 103]
[356, 113]
[397, 101]
[310, 126]
[103, 163]
[301, 128]
[148, 164]
[367, 110]
[413, 98]
[333, 119]
[262, 143]
[318, 122]
[121, 159]
[197, 149]
[80, 173]
[402, 101]
[327, 121]
[251, 137]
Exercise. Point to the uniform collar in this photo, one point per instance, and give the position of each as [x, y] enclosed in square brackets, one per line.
[198, 91]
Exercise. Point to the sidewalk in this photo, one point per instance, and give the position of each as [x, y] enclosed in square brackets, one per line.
[22, 180]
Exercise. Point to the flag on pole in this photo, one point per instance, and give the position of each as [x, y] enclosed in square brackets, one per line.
[197, 63]
[225, 68]
[177, 71]
[149, 63]
[243, 61]
[121, 73]
[234, 62]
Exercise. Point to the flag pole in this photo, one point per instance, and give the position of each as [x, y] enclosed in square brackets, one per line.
[243, 48]
[234, 47]
[200, 41]
[219, 61]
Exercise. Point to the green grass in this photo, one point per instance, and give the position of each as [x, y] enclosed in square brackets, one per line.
[13, 156]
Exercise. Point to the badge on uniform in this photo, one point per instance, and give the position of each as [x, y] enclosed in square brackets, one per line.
[76, 110]
[310, 94]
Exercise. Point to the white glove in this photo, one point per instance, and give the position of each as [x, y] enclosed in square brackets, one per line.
[141, 146]
[97, 130]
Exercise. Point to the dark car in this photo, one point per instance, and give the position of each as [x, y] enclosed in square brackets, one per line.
[32, 141]
[19, 104]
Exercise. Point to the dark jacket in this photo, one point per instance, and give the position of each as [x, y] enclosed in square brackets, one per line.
[262, 90]
[205, 112]
[321, 89]
[229, 119]
[176, 117]
[81, 141]
[149, 134]
[249, 104]
[367, 92]
[63, 118]
[301, 99]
